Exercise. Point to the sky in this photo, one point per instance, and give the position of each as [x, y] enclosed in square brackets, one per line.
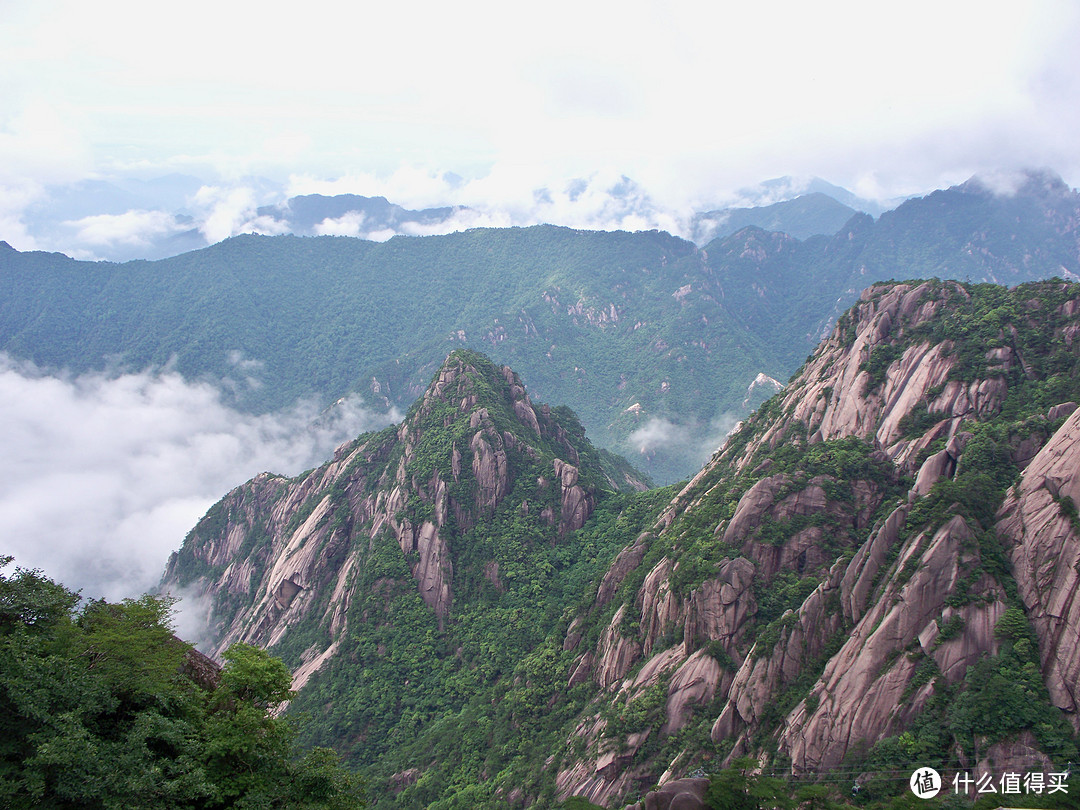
[502, 107]
[484, 103]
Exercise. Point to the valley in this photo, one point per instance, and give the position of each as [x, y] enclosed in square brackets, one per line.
[862, 556]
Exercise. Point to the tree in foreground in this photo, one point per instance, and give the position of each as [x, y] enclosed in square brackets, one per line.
[99, 710]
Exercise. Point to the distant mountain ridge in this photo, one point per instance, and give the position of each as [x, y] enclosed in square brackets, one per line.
[650, 339]
[123, 219]
[879, 570]
[805, 216]
[350, 215]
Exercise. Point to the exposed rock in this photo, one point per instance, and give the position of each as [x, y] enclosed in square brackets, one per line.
[489, 468]
[1021, 752]
[1046, 559]
[765, 672]
[681, 794]
[833, 397]
[617, 653]
[200, 668]
[625, 561]
[754, 503]
[694, 683]
[940, 465]
[719, 609]
[653, 669]
[581, 671]
[863, 569]
[290, 552]
[403, 779]
[1062, 410]
[576, 504]
[659, 607]
[859, 693]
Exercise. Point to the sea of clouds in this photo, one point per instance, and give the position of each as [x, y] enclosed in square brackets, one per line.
[104, 474]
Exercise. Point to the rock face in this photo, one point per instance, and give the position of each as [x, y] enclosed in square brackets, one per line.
[861, 693]
[831, 484]
[847, 564]
[1044, 535]
[682, 794]
[276, 553]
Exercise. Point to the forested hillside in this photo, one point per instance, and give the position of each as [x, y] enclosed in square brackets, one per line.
[415, 578]
[653, 342]
[101, 706]
[878, 571]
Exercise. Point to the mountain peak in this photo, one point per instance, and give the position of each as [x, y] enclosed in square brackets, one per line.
[1029, 182]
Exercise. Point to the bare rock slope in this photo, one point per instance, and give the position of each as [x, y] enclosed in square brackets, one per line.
[277, 553]
[851, 556]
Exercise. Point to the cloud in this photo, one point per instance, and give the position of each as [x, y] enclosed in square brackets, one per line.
[42, 142]
[349, 224]
[224, 211]
[134, 228]
[502, 197]
[103, 476]
[691, 443]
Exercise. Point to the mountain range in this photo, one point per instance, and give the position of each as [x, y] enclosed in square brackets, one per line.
[878, 570]
[658, 345]
[121, 219]
[874, 567]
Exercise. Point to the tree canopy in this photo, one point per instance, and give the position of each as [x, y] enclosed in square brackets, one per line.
[98, 711]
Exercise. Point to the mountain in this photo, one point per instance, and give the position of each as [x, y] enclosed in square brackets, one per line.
[650, 339]
[405, 580]
[879, 570]
[805, 216]
[971, 232]
[349, 215]
[781, 189]
[622, 327]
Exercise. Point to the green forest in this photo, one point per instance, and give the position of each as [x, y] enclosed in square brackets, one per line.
[101, 706]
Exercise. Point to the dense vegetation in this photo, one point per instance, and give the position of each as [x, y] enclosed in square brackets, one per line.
[599, 321]
[477, 710]
[101, 706]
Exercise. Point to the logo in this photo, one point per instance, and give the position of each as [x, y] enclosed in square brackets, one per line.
[925, 783]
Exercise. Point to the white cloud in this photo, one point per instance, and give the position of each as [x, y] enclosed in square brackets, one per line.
[102, 476]
[691, 102]
[135, 228]
[686, 99]
[658, 433]
[224, 211]
[42, 142]
[349, 224]
[691, 442]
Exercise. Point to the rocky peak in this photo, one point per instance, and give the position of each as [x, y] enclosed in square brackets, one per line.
[276, 553]
[834, 569]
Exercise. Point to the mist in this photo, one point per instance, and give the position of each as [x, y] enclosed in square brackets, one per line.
[103, 475]
[681, 444]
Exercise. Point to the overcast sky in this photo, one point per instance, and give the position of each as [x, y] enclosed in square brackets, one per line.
[430, 103]
[691, 100]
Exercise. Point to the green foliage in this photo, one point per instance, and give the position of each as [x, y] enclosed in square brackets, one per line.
[877, 364]
[95, 712]
[578, 803]
[483, 690]
[742, 787]
[786, 591]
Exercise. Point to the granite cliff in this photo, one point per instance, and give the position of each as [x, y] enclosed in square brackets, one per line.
[880, 565]
[279, 553]
[868, 551]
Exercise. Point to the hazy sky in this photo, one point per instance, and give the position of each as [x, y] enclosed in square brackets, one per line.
[475, 103]
[689, 99]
